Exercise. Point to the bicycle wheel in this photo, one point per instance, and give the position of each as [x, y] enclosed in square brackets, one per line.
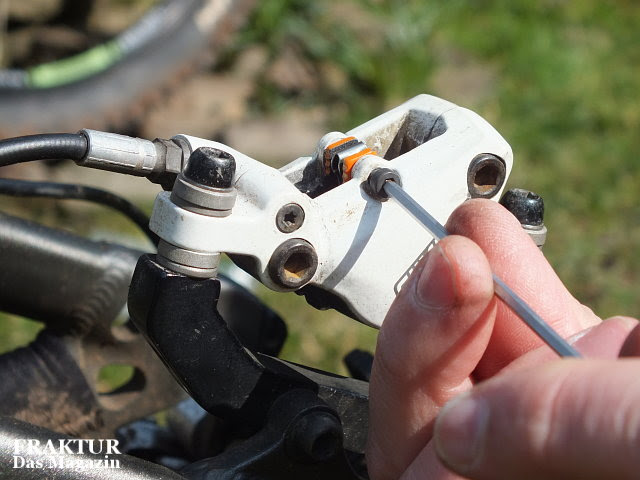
[111, 85]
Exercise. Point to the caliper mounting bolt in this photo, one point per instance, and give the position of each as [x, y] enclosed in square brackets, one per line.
[211, 167]
[205, 186]
[528, 208]
[314, 437]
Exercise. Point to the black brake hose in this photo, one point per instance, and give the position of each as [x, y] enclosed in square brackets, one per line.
[61, 146]
[64, 191]
[48, 146]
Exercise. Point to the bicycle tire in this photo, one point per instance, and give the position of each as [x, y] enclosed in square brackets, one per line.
[116, 97]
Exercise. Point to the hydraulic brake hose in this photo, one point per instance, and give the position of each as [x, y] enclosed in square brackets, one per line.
[63, 191]
[52, 146]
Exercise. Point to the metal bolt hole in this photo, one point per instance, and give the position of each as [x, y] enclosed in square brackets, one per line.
[486, 175]
[297, 266]
[293, 263]
[486, 178]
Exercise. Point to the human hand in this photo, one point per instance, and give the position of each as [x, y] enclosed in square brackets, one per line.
[446, 331]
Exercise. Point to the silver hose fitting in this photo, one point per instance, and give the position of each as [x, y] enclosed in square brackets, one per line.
[159, 160]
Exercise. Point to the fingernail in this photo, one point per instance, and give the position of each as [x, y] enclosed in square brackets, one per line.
[460, 431]
[627, 322]
[436, 285]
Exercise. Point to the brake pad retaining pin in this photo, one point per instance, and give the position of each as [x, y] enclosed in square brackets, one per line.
[391, 186]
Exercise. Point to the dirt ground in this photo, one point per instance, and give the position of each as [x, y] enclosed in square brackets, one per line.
[218, 106]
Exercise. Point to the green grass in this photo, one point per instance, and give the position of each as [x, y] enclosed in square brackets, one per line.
[566, 97]
[16, 332]
[318, 339]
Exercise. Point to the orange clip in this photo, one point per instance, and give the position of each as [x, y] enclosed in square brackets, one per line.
[330, 148]
[351, 160]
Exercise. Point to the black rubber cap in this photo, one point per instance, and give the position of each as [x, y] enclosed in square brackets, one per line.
[374, 186]
[526, 206]
[211, 167]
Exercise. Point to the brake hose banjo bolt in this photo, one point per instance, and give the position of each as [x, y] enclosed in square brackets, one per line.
[528, 208]
[204, 187]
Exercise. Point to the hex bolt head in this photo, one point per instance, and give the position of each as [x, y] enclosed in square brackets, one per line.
[526, 206]
[314, 437]
[293, 264]
[486, 175]
[210, 167]
[290, 218]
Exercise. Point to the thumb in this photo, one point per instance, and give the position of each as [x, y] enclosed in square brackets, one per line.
[431, 341]
[565, 419]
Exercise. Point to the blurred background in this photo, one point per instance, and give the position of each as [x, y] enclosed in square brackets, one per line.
[559, 80]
